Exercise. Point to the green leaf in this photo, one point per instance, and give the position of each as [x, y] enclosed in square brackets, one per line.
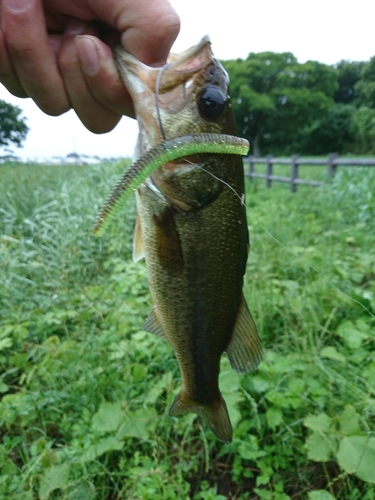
[3, 387]
[139, 371]
[54, 478]
[138, 424]
[109, 417]
[102, 446]
[260, 384]
[274, 417]
[320, 495]
[330, 352]
[81, 491]
[264, 494]
[351, 334]
[349, 421]
[369, 375]
[163, 384]
[318, 447]
[319, 422]
[5, 343]
[250, 450]
[357, 456]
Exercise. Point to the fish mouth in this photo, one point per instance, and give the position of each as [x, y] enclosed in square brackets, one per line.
[163, 96]
[184, 65]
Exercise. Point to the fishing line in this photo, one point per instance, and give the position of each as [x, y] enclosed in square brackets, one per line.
[279, 242]
[157, 88]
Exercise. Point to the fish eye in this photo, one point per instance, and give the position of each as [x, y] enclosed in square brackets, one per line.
[211, 101]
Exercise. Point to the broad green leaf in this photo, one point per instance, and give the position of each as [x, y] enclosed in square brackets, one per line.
[54, 478]
[330, 352]
[8, 467]
[103, 445]
[319, 422]
[349, 421]
[351, 334]
[229, 380]
[320, 495]
[108, 418]
[357, 456]
[318, 447]
[5, 343]
[369, 375]
[138, 424]
[233, 399]
[264, 494]
[250, 450]
[139, 371]
[163, 384]
[274, 417]
[81, 491]
[3, 387]
[260, 384]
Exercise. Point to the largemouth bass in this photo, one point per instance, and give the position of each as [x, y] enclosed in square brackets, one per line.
[191, 228]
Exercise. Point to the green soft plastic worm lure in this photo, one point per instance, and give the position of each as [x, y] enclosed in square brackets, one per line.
[156, 157]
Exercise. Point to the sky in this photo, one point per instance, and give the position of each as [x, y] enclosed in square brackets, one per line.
[323, 30]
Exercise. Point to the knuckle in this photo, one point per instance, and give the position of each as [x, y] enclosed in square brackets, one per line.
[167, 28]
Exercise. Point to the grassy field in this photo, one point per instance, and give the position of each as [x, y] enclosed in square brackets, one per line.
[86, 394]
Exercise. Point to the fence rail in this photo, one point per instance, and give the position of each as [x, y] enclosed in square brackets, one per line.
[332, 162]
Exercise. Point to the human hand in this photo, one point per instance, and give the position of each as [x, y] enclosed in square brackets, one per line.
[42, 57]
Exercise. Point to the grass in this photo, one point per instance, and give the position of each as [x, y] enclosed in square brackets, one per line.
[86, 394]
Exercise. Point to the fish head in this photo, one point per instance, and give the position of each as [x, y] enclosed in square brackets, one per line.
[188, 95]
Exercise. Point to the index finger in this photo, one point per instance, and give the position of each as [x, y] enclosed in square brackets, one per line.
[148, 27]
[32, 56]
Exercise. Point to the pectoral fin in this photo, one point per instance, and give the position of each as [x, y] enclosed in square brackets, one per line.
[138, 246]
[244, 350]
[168, 243]
[152, 325]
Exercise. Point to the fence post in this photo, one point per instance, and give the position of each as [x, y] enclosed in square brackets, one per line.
[269, 171]
[331, 167]
[251, 167]
[294, 173]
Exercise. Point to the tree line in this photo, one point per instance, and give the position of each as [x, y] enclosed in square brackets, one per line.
[13, 128]
[283, 106]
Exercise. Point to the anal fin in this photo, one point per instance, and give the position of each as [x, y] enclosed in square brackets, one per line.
[244, 350]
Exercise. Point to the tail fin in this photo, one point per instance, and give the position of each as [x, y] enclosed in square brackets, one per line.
[215, 415]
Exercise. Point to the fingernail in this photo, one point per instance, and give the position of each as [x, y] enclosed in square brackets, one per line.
[87, 54]
[17, 6]
[75, 27]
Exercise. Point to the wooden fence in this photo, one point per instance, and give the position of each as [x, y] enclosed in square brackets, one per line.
[332, 162]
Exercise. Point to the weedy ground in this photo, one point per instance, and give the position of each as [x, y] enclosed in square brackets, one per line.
[86, 394]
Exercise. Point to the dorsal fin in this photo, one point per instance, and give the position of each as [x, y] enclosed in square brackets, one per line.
[244, 350]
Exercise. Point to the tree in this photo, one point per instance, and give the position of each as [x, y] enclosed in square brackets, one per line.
[364, 127]
[335, 131]
[365, 87]
[275, 98]
[348, 74]
[13, 128]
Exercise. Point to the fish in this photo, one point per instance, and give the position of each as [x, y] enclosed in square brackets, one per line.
[191, 228]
